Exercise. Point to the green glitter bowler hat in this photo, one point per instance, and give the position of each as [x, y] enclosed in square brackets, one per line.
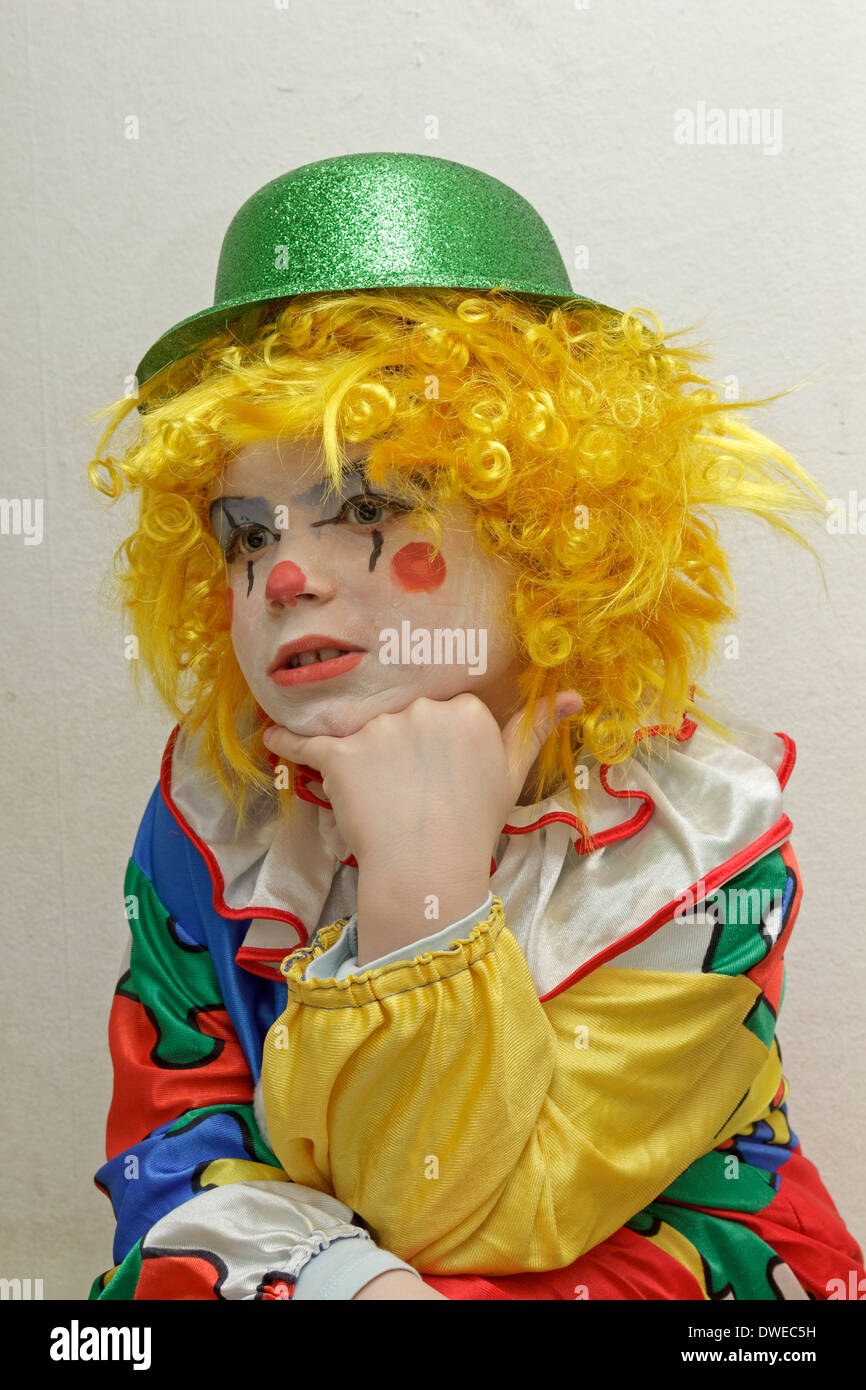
[373, 221]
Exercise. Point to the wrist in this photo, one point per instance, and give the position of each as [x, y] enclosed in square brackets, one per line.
[397, 1284]
[451, 861]
[395, 910]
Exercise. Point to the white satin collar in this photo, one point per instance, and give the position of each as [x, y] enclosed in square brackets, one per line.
[679, 811]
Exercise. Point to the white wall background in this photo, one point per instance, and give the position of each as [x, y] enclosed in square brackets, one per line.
[108, 241]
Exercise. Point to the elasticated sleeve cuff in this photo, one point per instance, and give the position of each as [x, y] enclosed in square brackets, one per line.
[342, 1269]
[341, 958]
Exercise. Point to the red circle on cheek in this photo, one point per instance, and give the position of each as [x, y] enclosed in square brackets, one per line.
[230, 605]
[417, 568]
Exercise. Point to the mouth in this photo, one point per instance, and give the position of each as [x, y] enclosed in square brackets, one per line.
[313, 658]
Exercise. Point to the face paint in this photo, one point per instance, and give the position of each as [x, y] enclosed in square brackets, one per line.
[328, 559]
[363, 498]
[285, 581]
[353, 506]
[377, 549]
[239, 520]
[417, 569]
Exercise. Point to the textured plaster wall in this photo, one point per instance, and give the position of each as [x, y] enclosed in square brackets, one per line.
[110, 240]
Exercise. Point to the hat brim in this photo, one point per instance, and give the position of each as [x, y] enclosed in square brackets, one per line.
[185, 337]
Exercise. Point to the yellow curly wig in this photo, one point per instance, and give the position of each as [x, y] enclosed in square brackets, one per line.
[570, 434]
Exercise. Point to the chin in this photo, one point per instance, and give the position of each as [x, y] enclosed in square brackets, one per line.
[345, 717]
[331, 726]
[336, 723]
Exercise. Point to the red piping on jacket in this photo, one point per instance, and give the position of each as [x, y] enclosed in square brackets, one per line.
[773, 838]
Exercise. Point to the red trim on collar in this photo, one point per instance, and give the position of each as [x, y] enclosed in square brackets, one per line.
[585, 845]
[303, 777]
[771, 839]
[257, 961]
[683, 733]
[788, 759]
[236, 914]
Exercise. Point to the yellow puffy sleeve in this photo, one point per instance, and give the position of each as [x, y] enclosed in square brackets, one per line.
[475, 1128]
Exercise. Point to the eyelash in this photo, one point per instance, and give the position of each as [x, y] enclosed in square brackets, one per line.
[240, 533]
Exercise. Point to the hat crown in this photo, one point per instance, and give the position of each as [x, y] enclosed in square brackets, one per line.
[373, 221]
[368, 221]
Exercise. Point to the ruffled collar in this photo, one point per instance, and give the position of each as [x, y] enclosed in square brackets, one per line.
[682, 812]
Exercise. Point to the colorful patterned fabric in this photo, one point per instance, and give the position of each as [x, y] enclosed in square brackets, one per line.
[774, 1233]
[656, 1162]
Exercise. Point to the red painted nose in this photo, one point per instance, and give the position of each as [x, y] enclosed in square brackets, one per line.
[285, 582]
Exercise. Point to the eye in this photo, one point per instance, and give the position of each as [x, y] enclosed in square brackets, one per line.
[370, 509]
[249, 540]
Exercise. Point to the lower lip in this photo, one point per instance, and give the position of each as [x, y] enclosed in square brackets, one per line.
[317, 670]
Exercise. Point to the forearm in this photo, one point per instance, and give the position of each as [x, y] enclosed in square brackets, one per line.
[398, 907]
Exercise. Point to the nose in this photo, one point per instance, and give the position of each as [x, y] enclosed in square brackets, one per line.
[285, 581]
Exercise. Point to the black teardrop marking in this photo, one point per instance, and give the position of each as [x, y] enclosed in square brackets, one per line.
[249, 577]
[377, 549]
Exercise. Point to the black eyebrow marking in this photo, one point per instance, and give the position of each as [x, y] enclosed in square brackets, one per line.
[223, 503]
[227, 520]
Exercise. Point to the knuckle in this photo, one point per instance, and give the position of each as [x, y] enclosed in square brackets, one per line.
[471, 706]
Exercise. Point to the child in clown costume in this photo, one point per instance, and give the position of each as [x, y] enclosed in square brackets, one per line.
[457, 923]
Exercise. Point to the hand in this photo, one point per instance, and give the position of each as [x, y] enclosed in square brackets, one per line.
[397, 1285]
[434, 782]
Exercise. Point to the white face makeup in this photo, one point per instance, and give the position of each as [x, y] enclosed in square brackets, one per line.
[351, 573]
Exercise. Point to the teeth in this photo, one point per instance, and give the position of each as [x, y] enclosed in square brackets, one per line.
[308, 658]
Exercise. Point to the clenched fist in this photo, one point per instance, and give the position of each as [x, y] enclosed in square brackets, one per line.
[420, 799]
